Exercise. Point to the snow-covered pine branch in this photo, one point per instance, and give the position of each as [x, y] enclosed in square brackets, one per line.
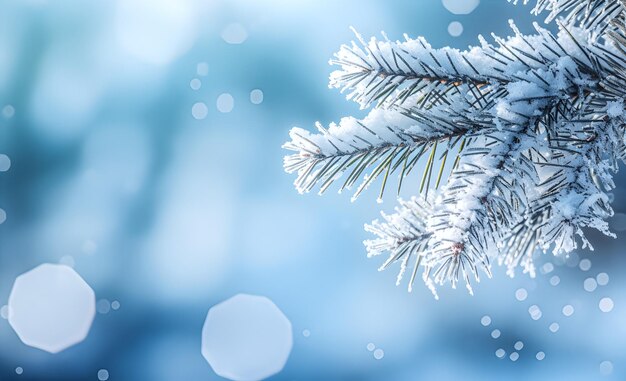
[569, 196]
[386, 140]
[593, 15]
[391, 72]
[387, 73]
[538, 121]
[574, 190]
[404, 236]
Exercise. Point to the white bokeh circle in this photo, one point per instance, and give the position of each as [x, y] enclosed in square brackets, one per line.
[51, 307]
[246, 338]
[455, 28]
[225, 103]
[156, 31]
[234, 34]
[460, 7]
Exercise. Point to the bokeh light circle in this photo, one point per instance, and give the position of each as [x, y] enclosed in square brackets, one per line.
[51, 307]
[461, 7]
[606, 304]
[455, 29]
[225, 103]
[103, 375]
[234, 34]
[256, 96]
[199, 111]
[246, 338]
[5, 163]
[156, 31]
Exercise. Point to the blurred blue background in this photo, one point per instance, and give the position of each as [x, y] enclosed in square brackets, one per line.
[169, 212]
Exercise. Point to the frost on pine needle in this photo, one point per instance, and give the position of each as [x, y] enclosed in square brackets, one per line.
[516, 142]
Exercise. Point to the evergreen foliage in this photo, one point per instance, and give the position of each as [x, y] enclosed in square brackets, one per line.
[516, 141]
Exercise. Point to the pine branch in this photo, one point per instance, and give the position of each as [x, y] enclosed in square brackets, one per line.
[404, 236]
[488, 196]
[520, 243]
[385, 141]
[437, 118]
[552, 219]
[387, 73]
[588, 14]
[539, 122]
[477, 206]
[574, 195]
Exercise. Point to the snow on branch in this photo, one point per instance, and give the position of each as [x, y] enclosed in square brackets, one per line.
[536, 122]
[404, 236]
[389, 73]
[574, 192]
[591, 14]
[385, 140]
